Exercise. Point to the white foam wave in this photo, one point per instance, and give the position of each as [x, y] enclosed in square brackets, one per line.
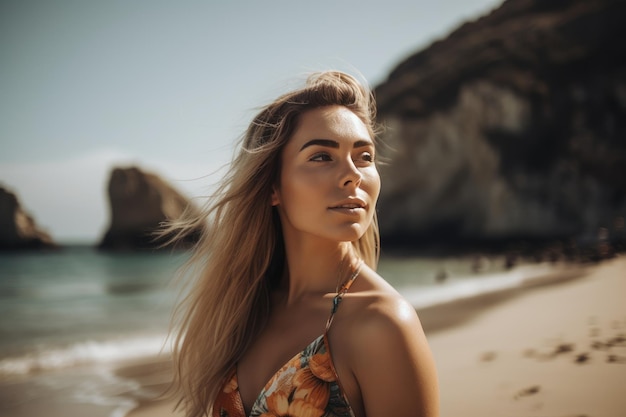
[94, 352]
[84, 353]
[463, 288]
[109, 391]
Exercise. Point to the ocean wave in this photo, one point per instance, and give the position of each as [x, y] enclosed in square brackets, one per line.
[55, 290]
[84, 353]
[109, 351]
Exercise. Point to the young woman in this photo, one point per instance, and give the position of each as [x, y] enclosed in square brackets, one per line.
[288, 316]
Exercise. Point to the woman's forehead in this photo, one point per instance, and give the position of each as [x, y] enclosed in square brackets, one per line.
[331, 122]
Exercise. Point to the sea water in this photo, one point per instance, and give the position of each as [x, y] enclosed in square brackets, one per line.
[67, 317]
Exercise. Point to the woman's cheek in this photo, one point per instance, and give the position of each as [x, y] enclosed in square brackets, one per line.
[373, 181]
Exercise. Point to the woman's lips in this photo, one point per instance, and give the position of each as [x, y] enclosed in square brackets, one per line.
[349, 208]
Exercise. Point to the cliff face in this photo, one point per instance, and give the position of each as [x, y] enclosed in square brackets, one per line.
[18, 230]
[139, 203]
[512, 127]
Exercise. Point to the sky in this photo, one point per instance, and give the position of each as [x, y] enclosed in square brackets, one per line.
[168, 86]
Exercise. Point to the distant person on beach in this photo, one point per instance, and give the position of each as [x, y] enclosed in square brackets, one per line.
[287, 316]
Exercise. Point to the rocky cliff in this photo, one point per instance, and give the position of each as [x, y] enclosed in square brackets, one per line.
[18, 230]
[514, 126]
[139, 203]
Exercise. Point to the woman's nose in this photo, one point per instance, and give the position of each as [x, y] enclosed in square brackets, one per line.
[352, 175]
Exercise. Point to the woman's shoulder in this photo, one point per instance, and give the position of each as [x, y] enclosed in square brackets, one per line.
[387, 352]
[375, 310]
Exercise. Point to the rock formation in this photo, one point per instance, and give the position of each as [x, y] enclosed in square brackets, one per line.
[514, 126]
[139, 203]
[18, 230]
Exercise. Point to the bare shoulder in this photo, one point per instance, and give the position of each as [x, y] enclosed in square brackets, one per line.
[378, 309]
[389, 354]
[382, 313]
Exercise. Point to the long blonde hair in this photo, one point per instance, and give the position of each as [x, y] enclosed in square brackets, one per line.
[240, 257]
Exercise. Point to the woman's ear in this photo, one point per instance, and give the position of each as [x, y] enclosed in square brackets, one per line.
[275, 200]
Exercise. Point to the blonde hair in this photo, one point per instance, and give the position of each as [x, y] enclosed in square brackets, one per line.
[240, 256]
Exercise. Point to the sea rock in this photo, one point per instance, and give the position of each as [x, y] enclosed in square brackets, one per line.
[18, 230]
[512, 127]
[140, 202]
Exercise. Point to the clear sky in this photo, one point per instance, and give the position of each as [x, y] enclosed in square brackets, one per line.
[170, 85]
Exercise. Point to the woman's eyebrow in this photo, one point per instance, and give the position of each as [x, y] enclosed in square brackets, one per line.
[334, 144]
[362, 143]
[321, 142]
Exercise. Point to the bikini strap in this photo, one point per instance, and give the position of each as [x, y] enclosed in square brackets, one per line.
[341, 292]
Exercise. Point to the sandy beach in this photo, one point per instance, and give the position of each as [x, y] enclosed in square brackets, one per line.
[556, 348]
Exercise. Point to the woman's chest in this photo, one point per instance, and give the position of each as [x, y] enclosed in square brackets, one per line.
[279, 342]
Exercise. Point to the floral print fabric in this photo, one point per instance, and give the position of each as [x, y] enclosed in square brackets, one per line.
[306, 386]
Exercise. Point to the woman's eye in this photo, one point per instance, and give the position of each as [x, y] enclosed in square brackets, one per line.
[368, 157]
[321, 157]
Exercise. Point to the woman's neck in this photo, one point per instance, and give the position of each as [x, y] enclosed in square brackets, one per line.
[317, 268]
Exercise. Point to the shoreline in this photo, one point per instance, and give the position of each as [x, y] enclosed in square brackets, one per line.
[449, 315]
[485, 365]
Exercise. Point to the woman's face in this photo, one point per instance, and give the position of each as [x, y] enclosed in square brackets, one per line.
[329, 183]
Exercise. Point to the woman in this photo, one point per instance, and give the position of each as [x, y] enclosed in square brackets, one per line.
[288, 316]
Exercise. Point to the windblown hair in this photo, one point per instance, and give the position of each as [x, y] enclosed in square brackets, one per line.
[240, 257]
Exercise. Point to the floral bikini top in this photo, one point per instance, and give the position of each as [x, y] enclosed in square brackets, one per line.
[307, 385]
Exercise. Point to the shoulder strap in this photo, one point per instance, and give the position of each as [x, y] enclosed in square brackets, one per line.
[341, 292]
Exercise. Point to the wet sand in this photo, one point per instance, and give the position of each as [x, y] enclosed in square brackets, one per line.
[556, 348]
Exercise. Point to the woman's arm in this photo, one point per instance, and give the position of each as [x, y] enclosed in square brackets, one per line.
[393, 363]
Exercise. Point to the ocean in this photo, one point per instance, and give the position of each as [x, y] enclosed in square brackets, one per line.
[68, 318]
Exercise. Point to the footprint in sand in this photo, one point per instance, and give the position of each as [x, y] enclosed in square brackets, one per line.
[488, 356]
[582, 358]
[616, 359]
[527, 391]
